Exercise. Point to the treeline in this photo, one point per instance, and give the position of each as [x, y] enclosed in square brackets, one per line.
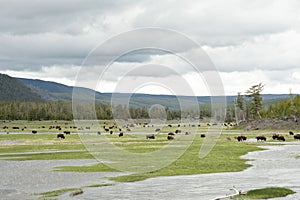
[289, 107]
[64, 111]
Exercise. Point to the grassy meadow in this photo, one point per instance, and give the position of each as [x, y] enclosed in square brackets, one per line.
[224, 157]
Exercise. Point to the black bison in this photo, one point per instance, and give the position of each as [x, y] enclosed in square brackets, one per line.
[171, 133]
[275, 136]
[281, 138]
[187, 133]
[99, 132]
[121, 134]
[297, 137]
[111, 132]
[202, 135]
[106, 129]
[150, 136]
[178, 131]
[261, 138]
[67, 132]
[291, 133]
[170, 137]
[34, 132]
[15, 127]
[241, 138]
[169, 125]
[157, 130]
[60, 135]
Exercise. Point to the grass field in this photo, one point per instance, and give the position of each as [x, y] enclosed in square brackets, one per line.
[266, 193]
[224, 157]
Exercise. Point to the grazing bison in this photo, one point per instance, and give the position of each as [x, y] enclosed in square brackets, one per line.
[297, 137]
[187, 133]
[291, 133]
[171, 133]
[281, 137]
[106, 129]
[99, 133]
[275, 136]
[67, 132]
[111, 132]
[170, 137]
[241, 138]
[157, 130]
[121, 134]
[261, 138]
[60, 135]
[169, 125]
[150, 136]
[34, 132]
[15, 127]
[202, 135]
[177, 131]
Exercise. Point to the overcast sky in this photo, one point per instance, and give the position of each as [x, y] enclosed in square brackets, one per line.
[248, 42]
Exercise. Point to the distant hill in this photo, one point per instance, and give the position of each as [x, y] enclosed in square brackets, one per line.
[12, 90]
[52, 91]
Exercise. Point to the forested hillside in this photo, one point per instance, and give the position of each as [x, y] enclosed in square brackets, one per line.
[289, 107]
[12, 90]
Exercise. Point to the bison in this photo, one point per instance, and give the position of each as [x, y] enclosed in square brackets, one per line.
[60, 135]
[150, 136]
[203, 135]
[157, 130]
[291, 133]
[281, 137]
[261, 138]
[297, 137]
[67, 132]
[177, 131]
[171, 133]
[34, 132]
[275, 136]
[121, 134]
[241, 138]
[170, 137]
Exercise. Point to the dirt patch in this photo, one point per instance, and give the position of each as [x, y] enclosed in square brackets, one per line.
[270, 124]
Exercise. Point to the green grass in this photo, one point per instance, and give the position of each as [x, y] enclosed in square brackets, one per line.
[56, 193]
[101, 185]
[225, 157]
[266, 193]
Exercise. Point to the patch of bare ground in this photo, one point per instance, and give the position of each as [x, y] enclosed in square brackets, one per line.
[270, 124]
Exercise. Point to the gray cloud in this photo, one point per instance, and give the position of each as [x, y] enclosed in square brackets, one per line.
[239, 36]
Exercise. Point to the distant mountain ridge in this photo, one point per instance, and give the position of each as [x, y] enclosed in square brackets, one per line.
[12, 90]
[52, 91]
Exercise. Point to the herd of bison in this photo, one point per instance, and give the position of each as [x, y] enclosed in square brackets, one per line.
[170, 136]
